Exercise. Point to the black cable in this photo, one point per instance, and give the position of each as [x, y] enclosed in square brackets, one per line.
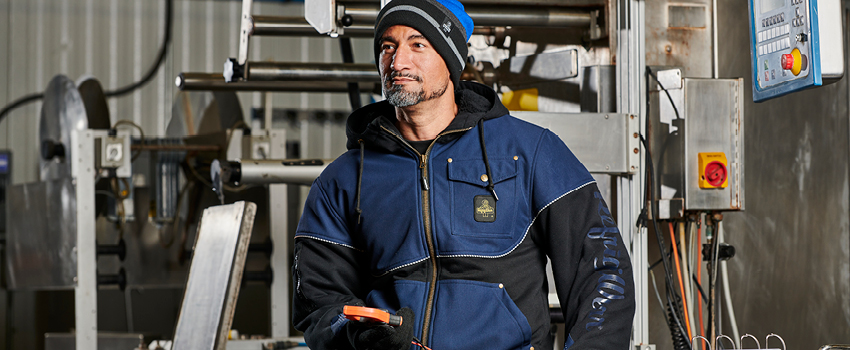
[649, 71]
[353, 87]
[121, 91]
[699, 287]
[658, 262]
[679, 335]
[163, 51]
[18, 103]
[677, 329]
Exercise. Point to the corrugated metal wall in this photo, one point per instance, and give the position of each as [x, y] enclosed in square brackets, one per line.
[116, 41]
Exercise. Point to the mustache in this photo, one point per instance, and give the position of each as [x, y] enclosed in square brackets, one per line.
[396, 74]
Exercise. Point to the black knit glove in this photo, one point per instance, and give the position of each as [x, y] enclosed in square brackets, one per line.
[364, 336]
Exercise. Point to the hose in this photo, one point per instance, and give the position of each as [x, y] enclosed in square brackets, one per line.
[680, 340]
[726, 292]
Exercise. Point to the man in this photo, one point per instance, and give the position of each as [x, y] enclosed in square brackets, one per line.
[445, 209]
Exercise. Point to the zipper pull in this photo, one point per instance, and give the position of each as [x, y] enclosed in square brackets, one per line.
[423, 158]
[424, 183]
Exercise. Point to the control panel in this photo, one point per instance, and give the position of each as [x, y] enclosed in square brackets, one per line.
[795, 44]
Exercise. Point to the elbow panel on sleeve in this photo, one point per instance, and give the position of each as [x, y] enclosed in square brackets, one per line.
[592, 268]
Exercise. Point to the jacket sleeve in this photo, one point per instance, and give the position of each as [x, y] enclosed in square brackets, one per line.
[328, 273]
[590, 261]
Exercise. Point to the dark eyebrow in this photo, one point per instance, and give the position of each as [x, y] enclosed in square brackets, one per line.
[416, 36]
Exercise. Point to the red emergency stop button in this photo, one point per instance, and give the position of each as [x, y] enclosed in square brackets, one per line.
[787, 61]
[713, 171]
[715, 174]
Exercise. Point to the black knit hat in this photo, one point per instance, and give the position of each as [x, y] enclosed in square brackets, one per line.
[444, 23]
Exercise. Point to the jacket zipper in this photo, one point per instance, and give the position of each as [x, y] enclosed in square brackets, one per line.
[426, 217]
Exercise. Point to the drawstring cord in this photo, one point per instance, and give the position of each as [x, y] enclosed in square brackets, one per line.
[490, 186]
[360, 178]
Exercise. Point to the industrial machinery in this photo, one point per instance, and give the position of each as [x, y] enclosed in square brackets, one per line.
[794, 44]
[80, 227]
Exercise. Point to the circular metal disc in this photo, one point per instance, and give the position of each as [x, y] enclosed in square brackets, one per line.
[97, 110]
[203, 112]
[62, 112]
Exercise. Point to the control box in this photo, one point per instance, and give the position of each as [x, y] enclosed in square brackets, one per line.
[697, 143]
[794, 45]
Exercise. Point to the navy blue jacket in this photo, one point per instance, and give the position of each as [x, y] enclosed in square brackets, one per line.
[417, 234]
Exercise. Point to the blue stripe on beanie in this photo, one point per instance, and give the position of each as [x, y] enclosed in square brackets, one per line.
[457, 9]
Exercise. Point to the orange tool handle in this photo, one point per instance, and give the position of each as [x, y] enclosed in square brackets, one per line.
[369, 314]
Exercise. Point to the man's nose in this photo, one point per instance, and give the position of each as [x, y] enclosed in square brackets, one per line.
[401, 59]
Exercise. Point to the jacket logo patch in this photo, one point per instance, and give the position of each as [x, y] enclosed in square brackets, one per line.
[485, 208]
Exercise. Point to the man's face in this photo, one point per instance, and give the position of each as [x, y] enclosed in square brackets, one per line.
[411, 69]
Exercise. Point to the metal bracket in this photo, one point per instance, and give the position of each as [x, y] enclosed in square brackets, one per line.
[246, 31]
[606, 143]
[321, 14]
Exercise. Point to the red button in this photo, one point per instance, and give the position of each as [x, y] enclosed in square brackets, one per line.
[715, 173]
[787, 61]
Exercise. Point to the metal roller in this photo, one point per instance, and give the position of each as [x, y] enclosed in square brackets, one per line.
[493, 16]
[298, 26]
[287, 71]
[362, 17]
[260, 172]
[215, 82]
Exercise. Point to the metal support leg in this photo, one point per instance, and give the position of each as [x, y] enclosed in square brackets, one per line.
[279, 231]
[85, 291]
[631, 99]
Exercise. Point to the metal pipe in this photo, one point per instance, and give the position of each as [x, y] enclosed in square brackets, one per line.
[298, 26]
[176, 147]
[364, 15]
[528, 16]
[286, 71]
[362, 12]
[215, 82]
[489, 16]
[301, 172]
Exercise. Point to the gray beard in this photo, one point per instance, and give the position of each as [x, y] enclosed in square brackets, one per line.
[399, 97]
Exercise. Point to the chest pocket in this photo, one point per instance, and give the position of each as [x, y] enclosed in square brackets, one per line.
[474, 211]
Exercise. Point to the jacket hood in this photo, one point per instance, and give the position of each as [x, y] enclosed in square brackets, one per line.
[475, 102]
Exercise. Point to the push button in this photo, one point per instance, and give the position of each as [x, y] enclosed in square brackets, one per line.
[787, 61]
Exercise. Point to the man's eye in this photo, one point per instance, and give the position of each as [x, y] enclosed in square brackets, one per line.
[419, 45]
[386, 47]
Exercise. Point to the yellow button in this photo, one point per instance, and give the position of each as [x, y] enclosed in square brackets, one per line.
[484, 177]
[501, 286]
[516, 158]
[450, 160]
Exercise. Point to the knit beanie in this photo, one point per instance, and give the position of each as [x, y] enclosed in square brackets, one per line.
[443, 22]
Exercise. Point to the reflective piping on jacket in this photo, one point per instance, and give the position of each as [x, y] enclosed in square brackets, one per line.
[433, 22]
[403, 266]
[328, 241]
[526, 230]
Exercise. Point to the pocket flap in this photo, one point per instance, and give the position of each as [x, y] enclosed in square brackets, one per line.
[473, 171]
